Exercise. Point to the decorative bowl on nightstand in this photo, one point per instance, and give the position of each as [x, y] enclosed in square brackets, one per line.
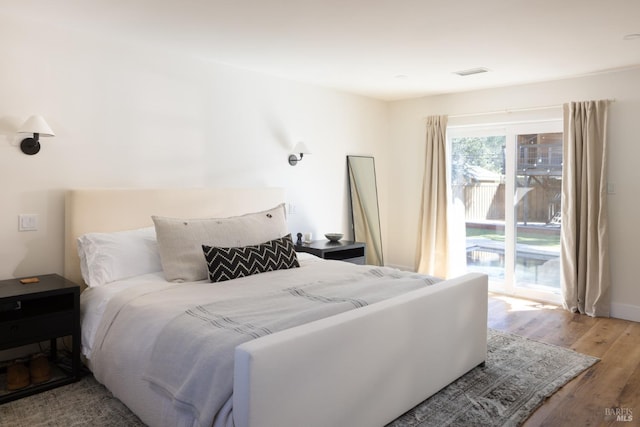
[334, 237]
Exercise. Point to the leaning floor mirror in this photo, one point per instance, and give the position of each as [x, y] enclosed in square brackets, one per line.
[364, 206]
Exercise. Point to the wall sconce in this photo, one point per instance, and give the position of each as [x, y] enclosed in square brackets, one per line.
[301, 148]
[37, 126]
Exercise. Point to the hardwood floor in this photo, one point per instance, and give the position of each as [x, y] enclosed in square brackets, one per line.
[592, 398]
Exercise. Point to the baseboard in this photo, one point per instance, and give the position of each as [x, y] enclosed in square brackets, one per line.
[626, 312]
[21, 352]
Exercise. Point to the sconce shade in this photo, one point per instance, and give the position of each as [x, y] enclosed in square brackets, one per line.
[301, 148]
[37, 126]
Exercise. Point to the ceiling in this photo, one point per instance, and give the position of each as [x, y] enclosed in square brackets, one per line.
[385, 49]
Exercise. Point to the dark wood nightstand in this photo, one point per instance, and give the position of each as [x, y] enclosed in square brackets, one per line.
[35, 312]
[342, 250]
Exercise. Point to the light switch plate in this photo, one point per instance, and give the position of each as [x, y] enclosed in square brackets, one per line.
[28, 222]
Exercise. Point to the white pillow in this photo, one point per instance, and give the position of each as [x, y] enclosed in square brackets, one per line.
[180, 240]
[106, 257]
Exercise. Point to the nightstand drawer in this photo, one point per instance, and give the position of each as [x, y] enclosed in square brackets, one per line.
[346, 254]
[36, 328]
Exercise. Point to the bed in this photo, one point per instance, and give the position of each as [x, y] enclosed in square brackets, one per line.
[357, 367]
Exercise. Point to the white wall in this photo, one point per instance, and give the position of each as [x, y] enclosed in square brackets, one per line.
[407, 135]
[133, 116]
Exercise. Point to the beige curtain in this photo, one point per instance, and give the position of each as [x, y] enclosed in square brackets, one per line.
[432, 251]
[584, 237]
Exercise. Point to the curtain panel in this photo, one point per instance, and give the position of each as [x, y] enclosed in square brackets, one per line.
[584, 244]
[432, 251]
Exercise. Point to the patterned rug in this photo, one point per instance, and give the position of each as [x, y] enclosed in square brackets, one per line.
[519, 375]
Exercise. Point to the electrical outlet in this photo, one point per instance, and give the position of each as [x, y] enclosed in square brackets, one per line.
[28, 222]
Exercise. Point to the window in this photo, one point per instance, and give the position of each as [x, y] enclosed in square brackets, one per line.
[505, 193]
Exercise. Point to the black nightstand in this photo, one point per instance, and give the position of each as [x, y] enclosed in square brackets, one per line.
[35, 312]
[341, 250]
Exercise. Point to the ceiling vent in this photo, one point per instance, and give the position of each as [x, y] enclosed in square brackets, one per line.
[471, 71]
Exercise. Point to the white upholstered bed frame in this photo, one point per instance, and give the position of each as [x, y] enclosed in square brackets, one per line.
[353, 369]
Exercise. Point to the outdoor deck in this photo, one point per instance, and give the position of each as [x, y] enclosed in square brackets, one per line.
[540, 160]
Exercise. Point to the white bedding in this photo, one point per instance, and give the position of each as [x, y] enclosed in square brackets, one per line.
[122, 320]
[93, 301]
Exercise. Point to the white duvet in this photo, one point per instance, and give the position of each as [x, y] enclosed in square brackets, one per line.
[122, 322]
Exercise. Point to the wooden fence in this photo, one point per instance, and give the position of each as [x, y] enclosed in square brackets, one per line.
[486, 201]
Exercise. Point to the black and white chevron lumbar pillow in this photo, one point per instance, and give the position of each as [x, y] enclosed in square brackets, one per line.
[232, 263]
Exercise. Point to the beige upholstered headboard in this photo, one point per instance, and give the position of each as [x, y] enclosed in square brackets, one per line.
[107, 210]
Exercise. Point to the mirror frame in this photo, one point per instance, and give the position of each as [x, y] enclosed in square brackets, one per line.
[374, 252]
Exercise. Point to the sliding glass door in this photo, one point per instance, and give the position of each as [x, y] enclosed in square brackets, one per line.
[505, 192]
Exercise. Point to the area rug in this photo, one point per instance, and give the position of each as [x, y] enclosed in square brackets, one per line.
[518, 376]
